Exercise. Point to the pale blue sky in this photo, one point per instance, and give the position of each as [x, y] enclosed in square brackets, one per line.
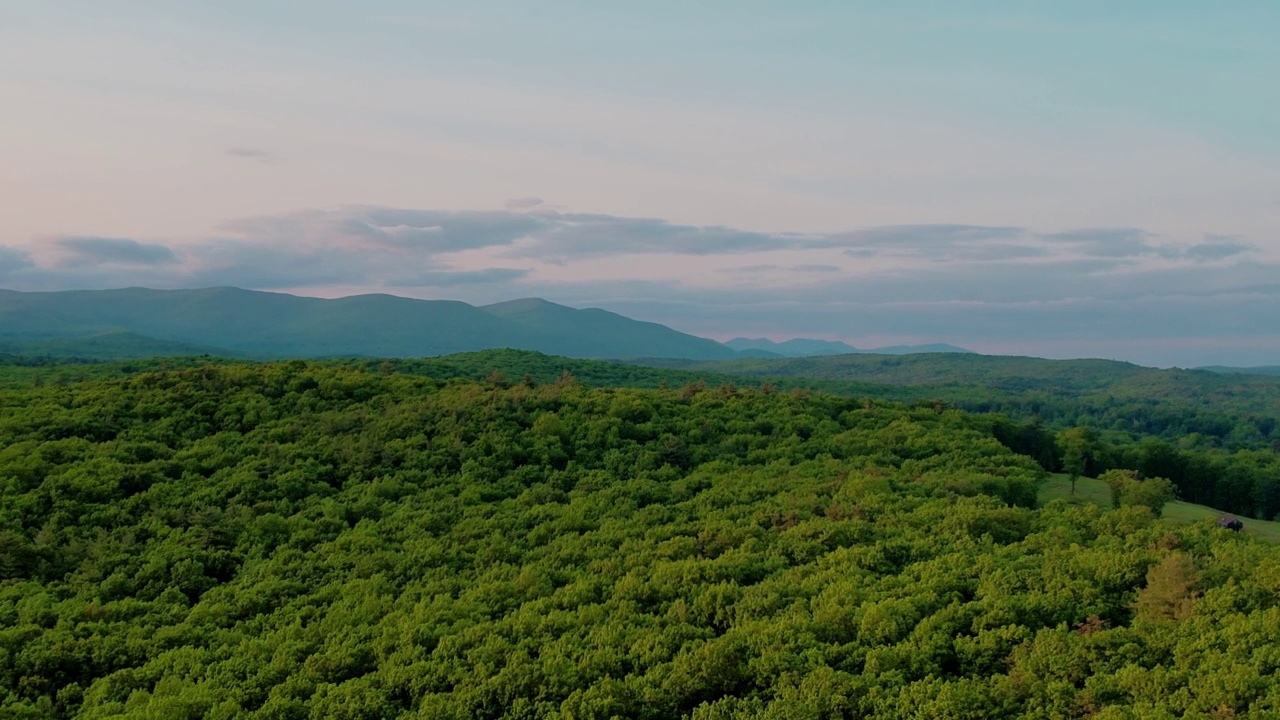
[1092, 150]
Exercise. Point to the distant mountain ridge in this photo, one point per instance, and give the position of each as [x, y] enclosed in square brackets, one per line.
[134, 322]
[806, 347]
[1272, 370]
[798, 347]
[947, 373]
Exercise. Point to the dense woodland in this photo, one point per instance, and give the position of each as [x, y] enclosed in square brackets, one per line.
[1196, 407]
[337, 540]
[1216, 436]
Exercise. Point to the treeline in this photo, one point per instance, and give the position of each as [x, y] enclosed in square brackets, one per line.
[1245, 482]
[1230, 411]
[1208, 424]
[304, 541]
[21, 360]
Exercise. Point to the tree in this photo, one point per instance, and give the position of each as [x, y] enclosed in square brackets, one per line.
[1128, 489]
[1079, 446]
[1170, 591]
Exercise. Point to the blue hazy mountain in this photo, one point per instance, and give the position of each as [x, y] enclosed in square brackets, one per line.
[136, 322]
[806, 347]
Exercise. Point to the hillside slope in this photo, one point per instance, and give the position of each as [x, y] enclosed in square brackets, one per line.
[596, 333]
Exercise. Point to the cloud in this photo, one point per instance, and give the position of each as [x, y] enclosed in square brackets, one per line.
[916, 236]
[347, 247]
[771, 268]
[563, 237]
[965, 284]
[374, 228]
[451, 278]
[522, 203]
[534, 232]
[547, 234]
[993, 252]
[1218, 247]
[1112, 242]
[940, 243]
[252, 154]
[83, 250]
[402, 246]
[14, 259]
[1133, 242]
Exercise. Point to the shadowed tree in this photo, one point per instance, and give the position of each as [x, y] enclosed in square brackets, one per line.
[1079, 445]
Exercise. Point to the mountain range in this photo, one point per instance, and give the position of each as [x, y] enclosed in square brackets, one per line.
[804, 347]
[231, 322]
[234, 323]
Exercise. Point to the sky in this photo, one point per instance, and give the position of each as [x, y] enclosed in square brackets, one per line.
[1084, 179]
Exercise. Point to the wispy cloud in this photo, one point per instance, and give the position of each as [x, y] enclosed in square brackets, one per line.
[523, 203]
[919, 236]
[252, 154]
[452, 278]
[81, 250]
[1112, 242]
[14, 259]
[405, 246]
[1219, 247]
[965, 284]
[944, 243]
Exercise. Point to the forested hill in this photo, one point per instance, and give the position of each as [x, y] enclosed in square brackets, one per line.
[323, 541]
[1264, 370]
[1230, 409]
[131, 323]
[999, 372]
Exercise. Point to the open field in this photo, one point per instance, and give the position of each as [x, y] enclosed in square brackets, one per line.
[1058, 487]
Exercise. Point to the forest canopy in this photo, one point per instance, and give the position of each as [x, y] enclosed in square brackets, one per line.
[338, 541]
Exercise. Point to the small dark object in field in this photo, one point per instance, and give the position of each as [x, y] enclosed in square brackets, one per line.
[1230, 523]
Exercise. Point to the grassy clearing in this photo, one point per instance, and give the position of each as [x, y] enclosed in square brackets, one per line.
[1185, 512]
[1058, 487]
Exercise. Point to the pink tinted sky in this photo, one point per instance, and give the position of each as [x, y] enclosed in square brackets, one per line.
[801, 188]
